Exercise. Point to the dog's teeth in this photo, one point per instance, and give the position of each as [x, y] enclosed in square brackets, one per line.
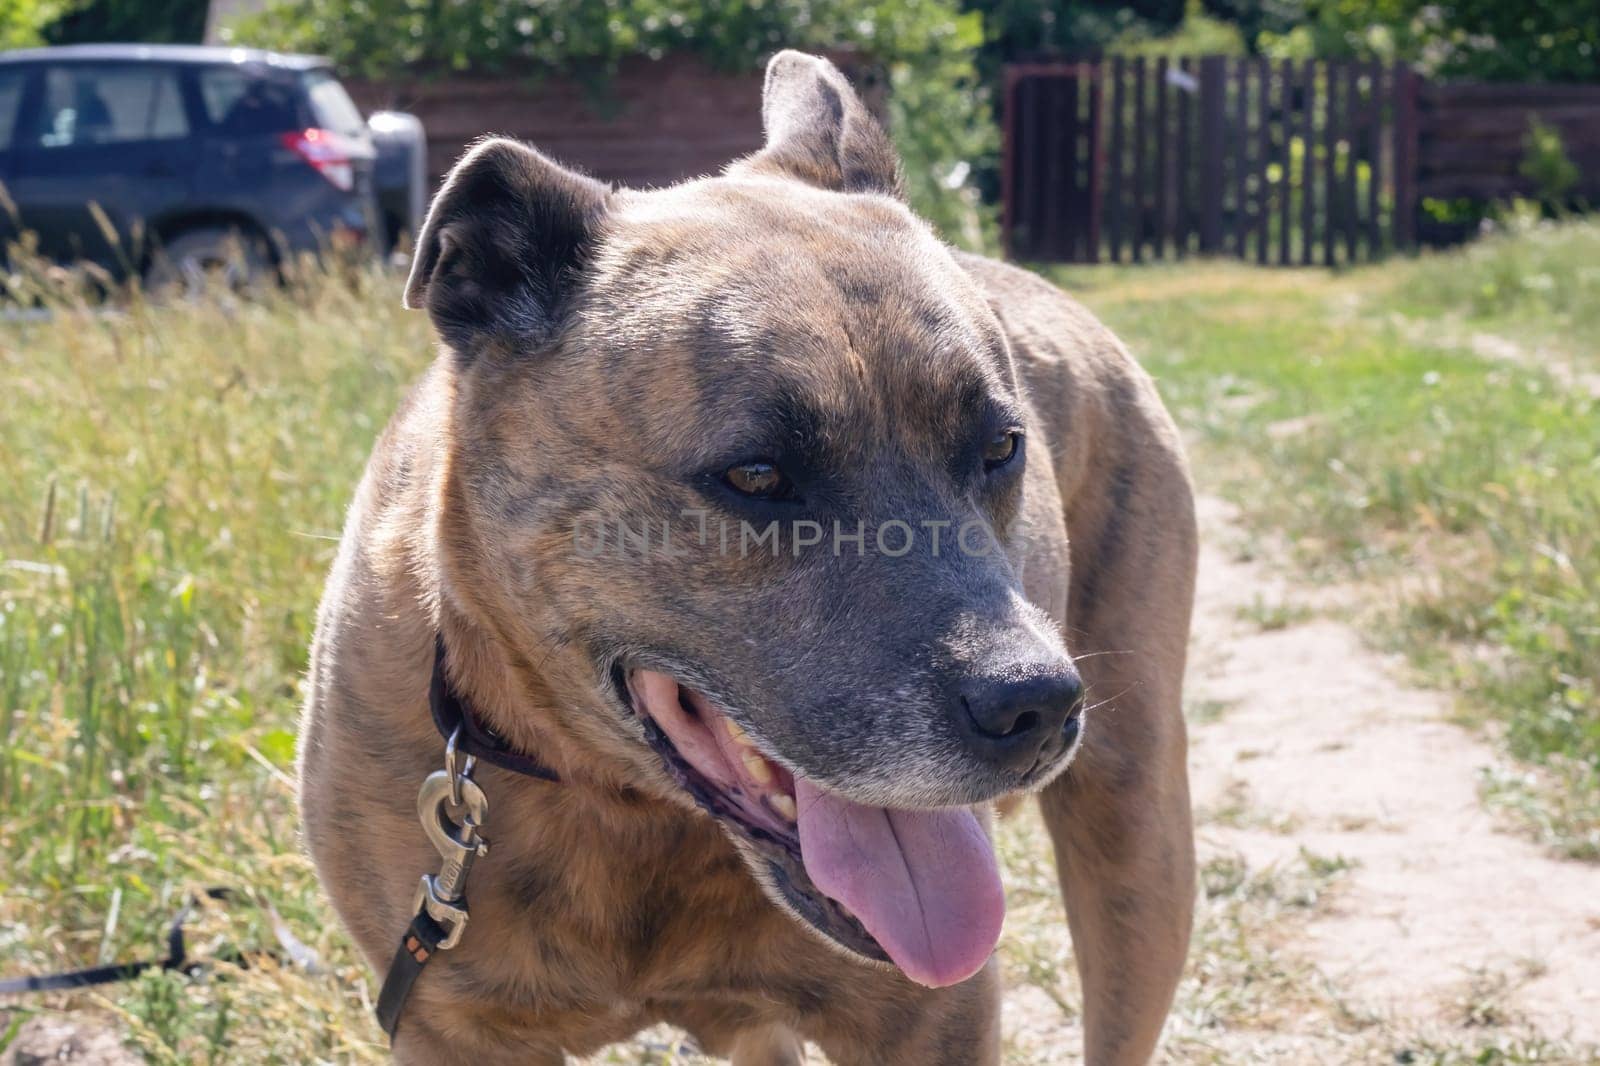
[757, 767]
[785, 807]
[737, 735]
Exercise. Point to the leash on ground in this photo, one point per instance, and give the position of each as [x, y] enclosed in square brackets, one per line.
[177, 960]
[439, 910]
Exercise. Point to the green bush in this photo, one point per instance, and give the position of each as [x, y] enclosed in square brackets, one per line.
[938, 110]
[23, 22]
[1488, 40]
[153, 21]
[1547, 165]
[1198, 34]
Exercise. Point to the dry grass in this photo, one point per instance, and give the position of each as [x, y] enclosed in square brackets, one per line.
[176, 480]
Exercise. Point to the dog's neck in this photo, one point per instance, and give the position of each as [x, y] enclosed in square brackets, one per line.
[497, 695]
[511, 697]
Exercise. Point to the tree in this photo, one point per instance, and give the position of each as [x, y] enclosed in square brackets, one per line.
[151, 21]
[1490, 40]
[938, 106]
[22, 22]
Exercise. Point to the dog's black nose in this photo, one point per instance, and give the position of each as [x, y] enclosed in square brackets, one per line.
[1012, 723]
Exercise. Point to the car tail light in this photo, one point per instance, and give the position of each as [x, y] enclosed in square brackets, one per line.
[327, 152]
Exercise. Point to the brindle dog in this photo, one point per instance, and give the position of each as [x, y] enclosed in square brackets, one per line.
[777, 750]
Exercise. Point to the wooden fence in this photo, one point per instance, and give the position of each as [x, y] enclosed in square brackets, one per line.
[1124, 160]
[1473, 141]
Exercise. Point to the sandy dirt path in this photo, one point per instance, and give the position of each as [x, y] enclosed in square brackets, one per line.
[1308, 742]
[1357, 904]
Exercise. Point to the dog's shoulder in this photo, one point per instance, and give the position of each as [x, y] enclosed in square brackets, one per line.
[1087, 389]
[406, 449]
[376, 580]
[1049, 331]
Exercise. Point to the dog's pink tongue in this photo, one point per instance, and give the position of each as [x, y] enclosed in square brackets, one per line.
[924, 883]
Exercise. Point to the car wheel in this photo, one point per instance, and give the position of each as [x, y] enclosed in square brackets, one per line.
[210, 259]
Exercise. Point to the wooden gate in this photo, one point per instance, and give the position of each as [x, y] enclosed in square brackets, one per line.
[1123, 160]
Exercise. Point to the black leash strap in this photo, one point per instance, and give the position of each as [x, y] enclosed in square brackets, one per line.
[421, 940]
[441, 907]
[177, 959]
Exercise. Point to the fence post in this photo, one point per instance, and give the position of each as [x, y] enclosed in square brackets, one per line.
[1212, 96]
[1051, 230]
[1351, 124]
[1308, 162]
[1141, 134]
[1008, 163]
[1285, 154]
[1372, 143]
[1332, 202]
[1097, 152]
[1163, 157]
[1116, 179]
[1406, 84]
[1239, 149]
[1263, 158]
[1183, 186]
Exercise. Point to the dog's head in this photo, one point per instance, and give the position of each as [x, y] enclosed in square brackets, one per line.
[745, 458]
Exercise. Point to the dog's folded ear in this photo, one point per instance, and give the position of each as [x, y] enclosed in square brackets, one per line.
[819, 131]
[504, 241]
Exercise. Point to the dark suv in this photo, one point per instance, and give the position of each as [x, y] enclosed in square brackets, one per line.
[191, 157]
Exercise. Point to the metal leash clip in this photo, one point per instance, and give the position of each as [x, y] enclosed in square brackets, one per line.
[443, 895]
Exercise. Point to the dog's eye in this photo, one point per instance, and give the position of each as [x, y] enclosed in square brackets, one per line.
[760, 479]
[1001, 448]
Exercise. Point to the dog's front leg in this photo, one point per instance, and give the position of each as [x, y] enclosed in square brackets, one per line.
[901, 1024]
[1119, 817]
[422, 1045]
[773, 1045]
[1127, 871]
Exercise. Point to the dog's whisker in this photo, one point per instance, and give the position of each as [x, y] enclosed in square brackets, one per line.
[1080, 656]
[1091, 707]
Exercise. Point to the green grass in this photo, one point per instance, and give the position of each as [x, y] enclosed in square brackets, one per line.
[1465, 488]
[1534, 280]
[175, 484]
[1271, 616]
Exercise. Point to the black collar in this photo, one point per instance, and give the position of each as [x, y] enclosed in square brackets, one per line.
[451, 712]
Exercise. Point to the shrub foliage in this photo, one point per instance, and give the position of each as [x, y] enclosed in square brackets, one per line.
[938, 112]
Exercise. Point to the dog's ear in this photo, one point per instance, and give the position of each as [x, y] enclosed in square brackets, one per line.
[503, 243]
[819, 131]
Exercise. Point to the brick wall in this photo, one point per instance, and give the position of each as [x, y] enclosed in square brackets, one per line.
[653, 123]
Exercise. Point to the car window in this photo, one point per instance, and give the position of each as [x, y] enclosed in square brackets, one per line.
[87, 105]
[11, 82]
[332, 106]
[240, 104]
